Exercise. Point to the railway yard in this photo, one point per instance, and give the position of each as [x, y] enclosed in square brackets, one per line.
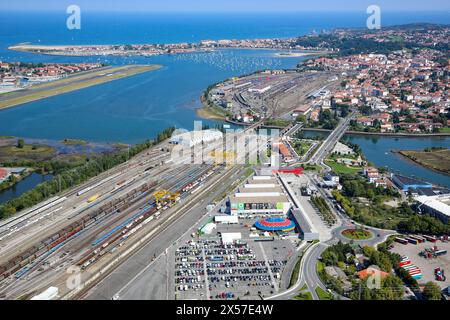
[138, 226]
[70, 239]
[199, 265]
[266, 94]
[79, 228]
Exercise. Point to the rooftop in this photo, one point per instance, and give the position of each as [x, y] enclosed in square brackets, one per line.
[439, 203]
[410, 181]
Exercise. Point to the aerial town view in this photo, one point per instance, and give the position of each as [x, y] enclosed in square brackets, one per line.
[225, 151]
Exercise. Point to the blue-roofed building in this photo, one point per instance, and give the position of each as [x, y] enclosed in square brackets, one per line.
[406, 183]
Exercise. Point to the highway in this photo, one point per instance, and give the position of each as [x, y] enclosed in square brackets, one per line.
[308, 273]
[327, 146]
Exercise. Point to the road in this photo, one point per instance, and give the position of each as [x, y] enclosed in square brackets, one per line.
[327, 146]
[308, 273]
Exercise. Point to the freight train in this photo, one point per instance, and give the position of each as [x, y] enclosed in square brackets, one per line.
[31, 254]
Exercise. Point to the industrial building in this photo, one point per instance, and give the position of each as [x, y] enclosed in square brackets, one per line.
[284, 151]
[406, 183]
[226, 219]
[192, 138]
[261, 195]
[301, 110]
[299, 216]
[436, 206]
[260, 89]
[304, 225]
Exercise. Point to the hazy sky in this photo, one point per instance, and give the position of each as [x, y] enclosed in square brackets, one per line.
[226, 5]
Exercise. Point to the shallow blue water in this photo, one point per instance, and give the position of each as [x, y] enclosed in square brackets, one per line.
[133, 109]
[378, 150]
[23, 186]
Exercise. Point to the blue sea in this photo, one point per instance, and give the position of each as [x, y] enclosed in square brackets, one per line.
[133, 109]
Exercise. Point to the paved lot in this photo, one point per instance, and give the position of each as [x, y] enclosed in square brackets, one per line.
[427, 265]
[204, 268]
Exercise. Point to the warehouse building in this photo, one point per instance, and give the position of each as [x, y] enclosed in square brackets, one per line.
[406, 183]
[304, 225]
[192, 138]
[261, 195]
[298, 215]
[260, 89]
[436, 206]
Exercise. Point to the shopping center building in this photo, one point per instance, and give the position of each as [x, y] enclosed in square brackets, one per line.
[260, 195]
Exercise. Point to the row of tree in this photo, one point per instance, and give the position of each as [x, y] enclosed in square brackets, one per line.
[67, 177]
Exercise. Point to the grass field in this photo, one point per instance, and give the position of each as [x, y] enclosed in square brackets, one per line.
[210, 113]
[342, 168]
[295, 272]
[301, 146]
[73, 142]
[438, 160]
[323, 295]
[304, 296]
[313, 168]
[319, 266]
[27, 152]
[72, 83]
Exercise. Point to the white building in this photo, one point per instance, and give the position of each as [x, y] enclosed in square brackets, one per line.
[192, 138]
[48, 294]
[436, 206]
[226, 219]
[260, 195]
[230, 237]
[260, 89]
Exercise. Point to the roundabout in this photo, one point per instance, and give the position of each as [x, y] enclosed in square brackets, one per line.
[357, 234]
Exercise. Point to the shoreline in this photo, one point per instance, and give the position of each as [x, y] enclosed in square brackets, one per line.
[72, 83]
[404, 156]
[57, 50]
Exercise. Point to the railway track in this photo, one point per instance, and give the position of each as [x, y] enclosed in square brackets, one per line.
[158, 229]
[173, 183]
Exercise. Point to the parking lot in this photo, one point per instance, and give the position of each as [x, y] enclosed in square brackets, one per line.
[247, 269]
[427, 265]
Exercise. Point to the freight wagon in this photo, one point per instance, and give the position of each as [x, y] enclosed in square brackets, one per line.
[401, 240]
[430, 238]
[53, 241]
[405, 263]
[419, 239]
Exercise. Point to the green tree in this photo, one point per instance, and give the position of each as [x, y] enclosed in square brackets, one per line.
[301, 118]
[432, 291]
[20, 143]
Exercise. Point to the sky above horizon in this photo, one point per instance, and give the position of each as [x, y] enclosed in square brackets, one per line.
[225, 5]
